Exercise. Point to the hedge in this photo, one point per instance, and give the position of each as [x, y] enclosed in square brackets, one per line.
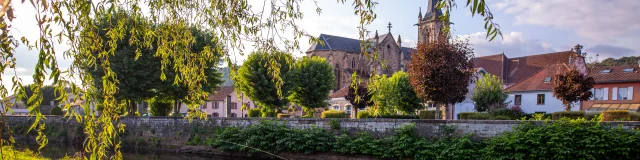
[474, 115]
[634, 116]
[388, 116]
[363, 114]
[615, 115]
[254, 112]
[333, 114]
[591, 115]
[568, 114]
[426, 114]
[282, 115]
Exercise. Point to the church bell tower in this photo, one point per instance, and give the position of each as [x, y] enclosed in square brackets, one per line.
[429, 26]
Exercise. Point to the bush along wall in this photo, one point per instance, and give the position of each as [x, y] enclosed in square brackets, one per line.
[562, 139]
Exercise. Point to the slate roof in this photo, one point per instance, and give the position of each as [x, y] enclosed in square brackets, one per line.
[536, 81]
[340, 93]
[514, 70]
[616, 75]
[338, 43]
[221, 93]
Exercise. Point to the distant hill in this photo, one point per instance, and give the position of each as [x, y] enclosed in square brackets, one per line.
[632, 60]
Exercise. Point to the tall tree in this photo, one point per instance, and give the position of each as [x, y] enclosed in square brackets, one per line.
[403, 98]
[312, 79]
[256, 81]
[572, 87]
[489, 91]
[441, 71]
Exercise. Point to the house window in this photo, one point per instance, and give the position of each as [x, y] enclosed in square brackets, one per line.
[605, 71]
[233, 115]
[518, 100]
[353, 63]
[348, 109]
[336, 107]
[205, 105]
[234, 105]
[547, 80]
[628, 70]
[623, 93]
[215, 114]
[598, 94]
[215, 105]
[540, 99]
[245, 115]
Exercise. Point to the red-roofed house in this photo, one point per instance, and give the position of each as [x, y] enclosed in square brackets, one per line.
[616, 88]
[535, 93]
[224, 103]
[339, 102]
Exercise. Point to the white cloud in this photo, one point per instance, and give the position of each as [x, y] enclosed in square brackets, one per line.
[594, 19]
[513, 44]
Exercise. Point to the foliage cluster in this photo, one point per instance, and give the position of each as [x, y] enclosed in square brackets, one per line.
[396, 116]
[56, 111]
[513, 112]
[568, 114]
[624, 61]
[160, 106]
[282, 115]
[312, 78]
[572, 87]
[489, 91]
[394, 94]
[333, 114]
[254, 112]
[562, 139]
[364, 114]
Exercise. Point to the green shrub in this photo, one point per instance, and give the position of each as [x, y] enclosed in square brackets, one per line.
[56, 111]
[615, 115]
[634, 116]
[568, 114]
[391, 116]
[282, 115]
[333, 114]
[564, 139]
[500, 117]
[266, 112]
[334, 124]
[364, 114]
[254, 112]
[474, 115]
[160, 106]
[591, 115]
[426, 114]
[510, 113]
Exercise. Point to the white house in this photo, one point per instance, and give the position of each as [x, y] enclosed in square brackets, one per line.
[18, 107]
[224, 103]
[468, 105]
[535, 93]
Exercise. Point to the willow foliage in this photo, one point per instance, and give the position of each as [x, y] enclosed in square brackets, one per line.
[74, 24]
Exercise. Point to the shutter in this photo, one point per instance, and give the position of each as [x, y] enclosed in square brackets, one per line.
[614, 93]
[606, 94]
[593, 93]
[630, 93]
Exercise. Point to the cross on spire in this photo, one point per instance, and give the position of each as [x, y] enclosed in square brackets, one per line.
[389, 27]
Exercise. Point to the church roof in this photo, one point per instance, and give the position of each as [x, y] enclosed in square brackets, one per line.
[337, 43]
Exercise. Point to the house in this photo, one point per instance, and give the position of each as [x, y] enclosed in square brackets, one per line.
[17, 106]
[535, 94]
[225, 103]
[468, 105]
[338, 101]
[616, 88]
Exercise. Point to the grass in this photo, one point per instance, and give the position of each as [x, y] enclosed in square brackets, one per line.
[9, 152]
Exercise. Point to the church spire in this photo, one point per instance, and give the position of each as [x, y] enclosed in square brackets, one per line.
[432, 6]
[419, 13]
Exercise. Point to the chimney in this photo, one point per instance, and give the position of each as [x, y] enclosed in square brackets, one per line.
[578, 49]
[638, 63]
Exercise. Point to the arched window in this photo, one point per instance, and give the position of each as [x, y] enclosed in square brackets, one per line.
[215, 114]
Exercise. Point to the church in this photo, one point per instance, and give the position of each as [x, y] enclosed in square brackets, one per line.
[346, 56]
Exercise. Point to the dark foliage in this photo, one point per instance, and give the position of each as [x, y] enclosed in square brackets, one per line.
[572, 87]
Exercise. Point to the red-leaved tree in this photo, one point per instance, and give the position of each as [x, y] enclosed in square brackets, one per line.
[441, 71]
[572, 87]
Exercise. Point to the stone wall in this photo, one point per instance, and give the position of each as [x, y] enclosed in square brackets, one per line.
[167, 132]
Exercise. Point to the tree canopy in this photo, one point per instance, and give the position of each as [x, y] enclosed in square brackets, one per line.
[631, 60]
[489, 91]
[255, 80]
[572, 87]
[312, 79]
[394, 94]
[441, 71]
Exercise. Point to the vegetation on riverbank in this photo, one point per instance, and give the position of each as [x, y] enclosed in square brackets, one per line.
[563, 139]
[9, 152]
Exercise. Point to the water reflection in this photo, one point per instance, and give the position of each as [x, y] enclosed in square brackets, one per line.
[57, 151]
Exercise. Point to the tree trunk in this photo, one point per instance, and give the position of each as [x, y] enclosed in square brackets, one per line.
[355, 112]
[438, 112]
[175, 108]
[132, 108]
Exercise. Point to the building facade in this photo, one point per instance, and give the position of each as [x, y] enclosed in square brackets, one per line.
[616, 88]
[535, 94]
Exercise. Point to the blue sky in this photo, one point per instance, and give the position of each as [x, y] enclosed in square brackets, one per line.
[608, 28]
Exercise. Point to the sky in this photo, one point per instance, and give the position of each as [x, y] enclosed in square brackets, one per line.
[605, 28]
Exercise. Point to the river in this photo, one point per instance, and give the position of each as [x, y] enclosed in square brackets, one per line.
[57, 151]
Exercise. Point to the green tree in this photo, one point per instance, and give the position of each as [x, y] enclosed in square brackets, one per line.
[489, 91]
[160, 106]
[381, 90]
[624, 61]
[255, 80]
[441, 71]
[572, 87]
[312, 79]
[48, 94]
[403, 98]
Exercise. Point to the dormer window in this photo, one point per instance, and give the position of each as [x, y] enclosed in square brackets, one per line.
[628, 70]
[605, 71]
[547, 80]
